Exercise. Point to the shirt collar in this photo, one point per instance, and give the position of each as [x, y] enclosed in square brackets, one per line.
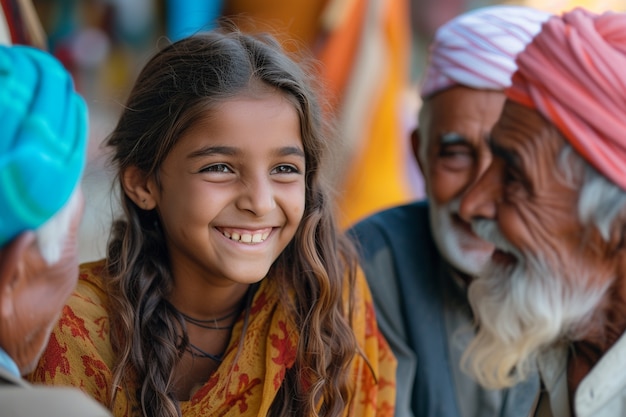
[552, 365]
[605, 382]
[6, 362]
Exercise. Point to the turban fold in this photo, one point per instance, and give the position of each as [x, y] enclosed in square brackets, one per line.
[574, 74]
[43, 138]
[478, 49]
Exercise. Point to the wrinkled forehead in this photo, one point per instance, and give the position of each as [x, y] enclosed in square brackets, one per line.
[465, 112]
[522, 134]
[459, 104]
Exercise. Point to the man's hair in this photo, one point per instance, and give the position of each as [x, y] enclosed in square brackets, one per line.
[51, 235]
[600, 200]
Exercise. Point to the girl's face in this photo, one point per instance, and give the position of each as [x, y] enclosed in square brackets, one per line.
[232, 190]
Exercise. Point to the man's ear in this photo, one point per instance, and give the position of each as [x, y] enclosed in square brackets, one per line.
[12, 258]
[139, 188]
[617, 235]
[415, 145]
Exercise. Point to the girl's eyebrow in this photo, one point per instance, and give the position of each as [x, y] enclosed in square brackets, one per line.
[213, 150]
[290, 150]
[230, 151]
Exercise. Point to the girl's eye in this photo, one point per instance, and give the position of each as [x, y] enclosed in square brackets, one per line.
[221, 168]
[285, 169]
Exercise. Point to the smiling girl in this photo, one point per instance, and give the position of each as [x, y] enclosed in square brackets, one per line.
[227, 288]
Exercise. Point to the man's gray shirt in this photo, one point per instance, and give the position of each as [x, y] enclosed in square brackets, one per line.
[424, 315]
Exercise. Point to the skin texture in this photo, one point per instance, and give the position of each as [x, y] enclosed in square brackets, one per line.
[455, 126]
[33, 293]
[523, 191]
[226, 175]
[535, 210]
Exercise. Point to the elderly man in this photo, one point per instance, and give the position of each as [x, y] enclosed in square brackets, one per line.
[553, 202]
[419, 258]
[42, 154]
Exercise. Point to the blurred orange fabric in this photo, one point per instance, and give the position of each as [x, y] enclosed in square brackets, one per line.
[364, 48]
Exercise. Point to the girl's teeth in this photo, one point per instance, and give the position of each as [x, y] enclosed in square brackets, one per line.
[247, 237]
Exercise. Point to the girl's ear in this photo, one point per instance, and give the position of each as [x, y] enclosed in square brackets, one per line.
[139, 188]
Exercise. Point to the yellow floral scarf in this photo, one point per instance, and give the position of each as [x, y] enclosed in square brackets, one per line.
[245, 384]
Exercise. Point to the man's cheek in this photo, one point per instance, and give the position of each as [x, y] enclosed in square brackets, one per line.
[446, 185]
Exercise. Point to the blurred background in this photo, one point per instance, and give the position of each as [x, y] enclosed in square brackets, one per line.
[371, 53]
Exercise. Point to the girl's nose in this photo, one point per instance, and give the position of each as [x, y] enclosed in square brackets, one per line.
[257, 196]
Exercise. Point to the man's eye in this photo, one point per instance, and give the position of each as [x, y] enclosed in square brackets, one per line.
[514, 185]
[511, 176]
[456, 153]
[456, 157]
[217, 168]
[454, 149]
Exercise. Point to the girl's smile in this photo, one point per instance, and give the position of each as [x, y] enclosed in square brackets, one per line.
[244, 235]
[238, 170]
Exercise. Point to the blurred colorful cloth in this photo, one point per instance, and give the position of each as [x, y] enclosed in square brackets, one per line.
[364, 48]
[20, 24]
[365, 60]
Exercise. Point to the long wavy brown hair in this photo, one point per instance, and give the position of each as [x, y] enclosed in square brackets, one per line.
[172, 91]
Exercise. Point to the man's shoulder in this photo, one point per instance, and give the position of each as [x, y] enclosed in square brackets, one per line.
[414, 213]
[8, 379]
[396, 244]
[49, 401]
[401, 224]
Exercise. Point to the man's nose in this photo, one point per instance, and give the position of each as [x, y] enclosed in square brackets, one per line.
[481, 199]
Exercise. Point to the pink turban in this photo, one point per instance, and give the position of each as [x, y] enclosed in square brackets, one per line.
[574, 74]
[478, 49]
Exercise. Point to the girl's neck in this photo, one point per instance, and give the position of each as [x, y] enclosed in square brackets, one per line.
[209, 302]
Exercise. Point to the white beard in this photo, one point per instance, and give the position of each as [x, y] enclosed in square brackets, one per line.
[523, 308]
[464, 251]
